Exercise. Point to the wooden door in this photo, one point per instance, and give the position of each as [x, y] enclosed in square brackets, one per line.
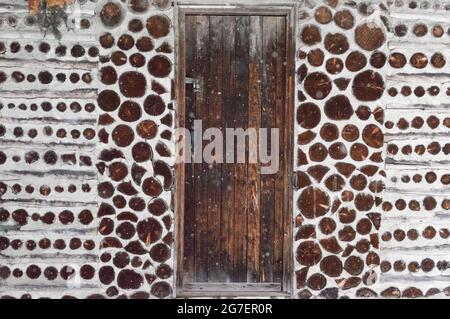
[236, 223]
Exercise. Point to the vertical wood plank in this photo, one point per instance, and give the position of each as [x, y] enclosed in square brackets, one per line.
[189, 196]
[215, 172]
[280, 123]
[201, 170]
[289, 156]
[241, 120]
[268, 121]
[228, 95]
[179, 180]
[253, 181]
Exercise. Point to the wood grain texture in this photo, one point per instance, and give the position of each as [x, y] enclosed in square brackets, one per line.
[227, 187]
[201, 170]
[268, 120]
[240, 169]
[254, 178]
[189, 208]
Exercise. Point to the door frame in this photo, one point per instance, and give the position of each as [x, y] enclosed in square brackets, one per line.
[248, 8]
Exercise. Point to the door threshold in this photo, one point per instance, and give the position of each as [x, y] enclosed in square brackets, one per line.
[230, 290]
[192, 294]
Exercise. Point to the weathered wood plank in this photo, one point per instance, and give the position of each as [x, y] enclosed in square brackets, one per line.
[227, 191]
[214, 287]
[201, 170]
[280, 123]
[241, 121]
[233, 294]
[189, 182]
[255, 93]
[215, 120]
[268, 121]
[289, 112]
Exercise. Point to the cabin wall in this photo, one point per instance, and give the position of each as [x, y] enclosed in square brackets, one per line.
[111, 233]
[382, 230]
[136, 206]
[86, 176]
[48, 153]
[339, 148]
[415, 230]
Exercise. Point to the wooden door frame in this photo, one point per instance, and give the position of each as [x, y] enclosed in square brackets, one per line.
[249, 8]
